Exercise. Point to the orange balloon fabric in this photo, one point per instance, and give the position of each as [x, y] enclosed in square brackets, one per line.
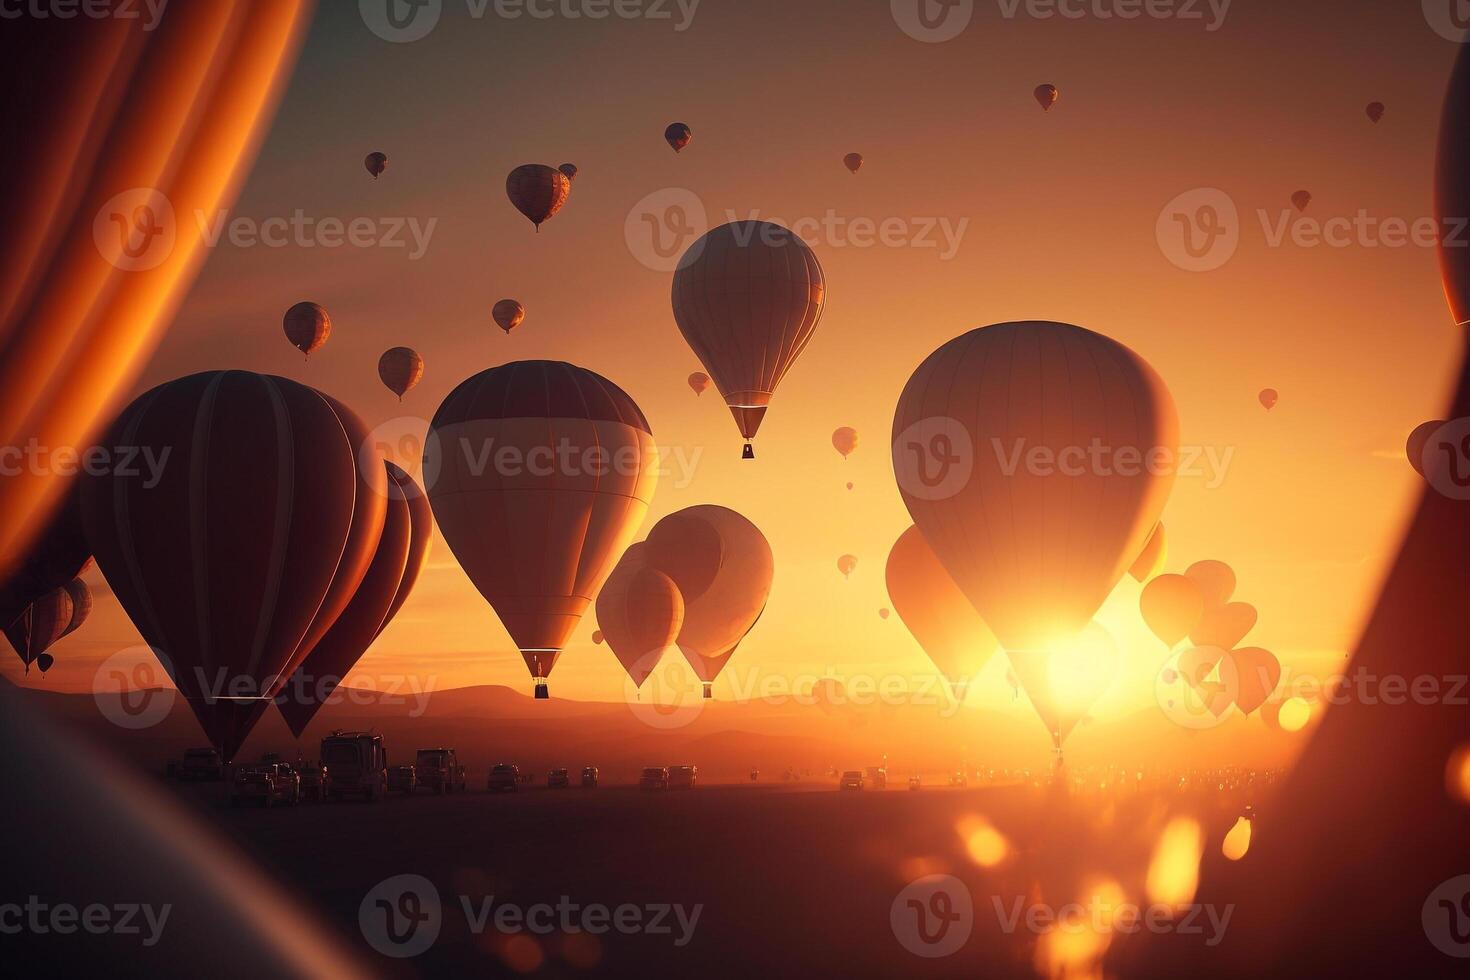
[936, 612]
[640, 612]
[1171, 605]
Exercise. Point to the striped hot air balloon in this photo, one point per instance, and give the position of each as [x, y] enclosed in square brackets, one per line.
[537, 191]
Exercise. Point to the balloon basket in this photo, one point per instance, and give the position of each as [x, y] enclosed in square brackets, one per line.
[542, 693]
[709, 692]
[748, 452]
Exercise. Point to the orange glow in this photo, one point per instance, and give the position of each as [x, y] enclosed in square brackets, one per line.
[1238, 840]
[986, 846]
[1173, 872]
[1457, 774]
[1295, 714]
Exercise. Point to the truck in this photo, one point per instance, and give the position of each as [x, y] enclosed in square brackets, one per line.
[356, 764]
[439, 770]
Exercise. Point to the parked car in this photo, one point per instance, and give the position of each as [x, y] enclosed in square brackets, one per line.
[439, 770]
[654, 777]
[314, 781]
[913, 782]
[265, 785]
[201, 764]
[589, 777]
[558, 779]
[402, 779]
[877, 777]
[504, 778]
[358, 765]
[852, 779]
[683, 777]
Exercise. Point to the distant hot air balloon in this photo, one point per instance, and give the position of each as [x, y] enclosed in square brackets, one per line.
[1257, 672]
[937, 613]
[883, 613]
[376, 163]
[1375, 111]
[1301, 199]
[57, 556]
[747, 297]
[508, 313]
[573, 467]
[400, 368]
[678, 135]
[1046, 96]
[537, 191]
[41, 624]
[1172, 606]
[307, 326]
[570, 169]
[1224, 626]
[853, 162]
[723, 567]
[1035, 548]
[1150, 560]
[699, 381]
[849, 484]
[641, 612]
[1216, 581]
[846, 564]
[226, 561]
[1268, 398]
[597, 637]
[845, 440]
[81, 604]
[360, 622]
[1417, 442]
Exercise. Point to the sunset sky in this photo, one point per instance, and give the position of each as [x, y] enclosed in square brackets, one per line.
[1005, 213]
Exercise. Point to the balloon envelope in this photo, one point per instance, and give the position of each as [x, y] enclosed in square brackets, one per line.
[1301, 199]
[1046, 96]
[1224, 626]
[1257, 673]
[537, 191]
[1216, 581]
[1171, 606]
[545, 470]
[678, 135]
[1150, 560]
[992, 442]
[508, 313]
[1269, 397]
[1375, 111]
[640, 612]
[223, 560]
[699, 381]
[747, 297]
[846, 564]
[81, 604]
[421, 531]
[853, 162]
[936, 612]
[570, 169]
[57, 556]
[400, 368]
[307, 326]
[845, 440]
[41, 624]
[376, 163]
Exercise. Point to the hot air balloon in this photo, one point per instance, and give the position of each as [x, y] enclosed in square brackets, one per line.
[225, 559]
[1171, 606]
[1301, 199]
[1036, 548]
[307, 326]
[1268, 398]
[537, 191]
[508, 313]
[845, 440]
[723, 567]
[883, 613]
[81, 604]
[1064, 682]
[849, 484]
[1150, 560]
[1417, 442]
[641, 612]
[376, 163]
[41, 624]
[58, 556]
[421, 531]
[853, 162]
[1046, 96]
[845, 564]
[597, 637]
[678, 135]
[1224, 625]
[400, 368]
[1216, 581]
[747, 297]
[572, 467]
[699, 381]
[1375, 111]
[1257, 672]
[570, 169]
[359, 623]
[937, 612]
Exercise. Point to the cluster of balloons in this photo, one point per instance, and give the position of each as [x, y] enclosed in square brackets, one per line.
[45, 598]
[699, 582]
[274, 546]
